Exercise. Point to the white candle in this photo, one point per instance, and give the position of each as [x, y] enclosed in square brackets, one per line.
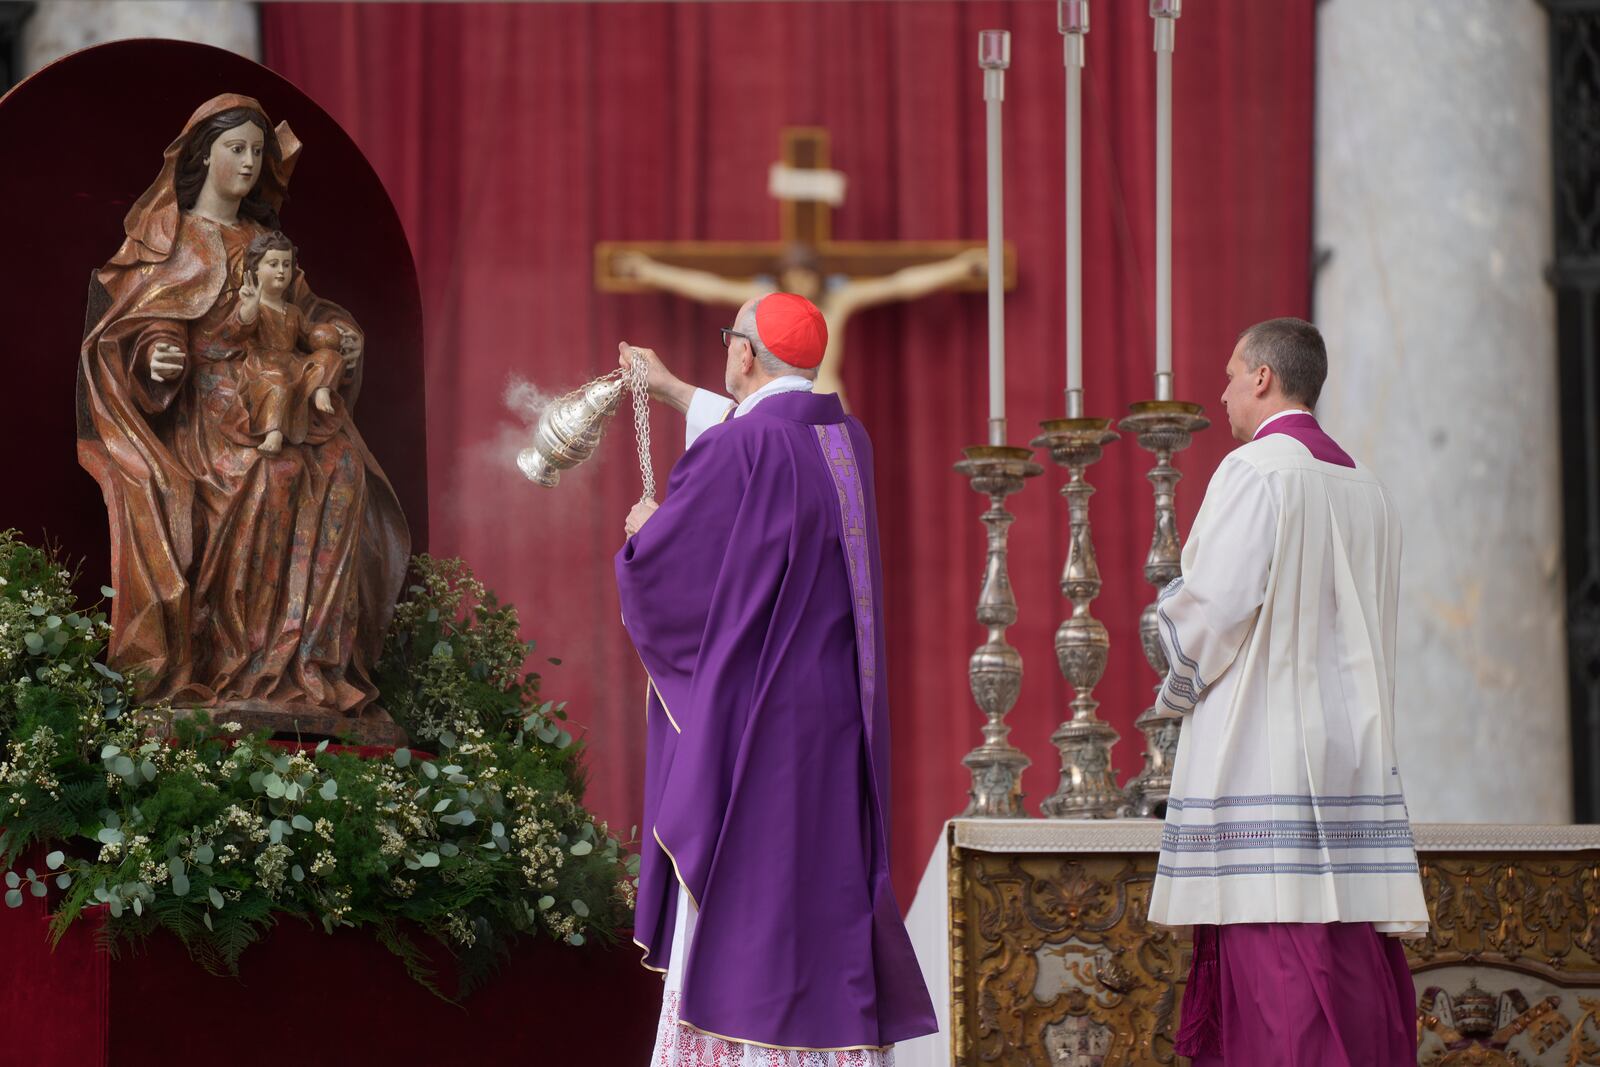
[1072, 19]
[1165, 13]
[994, 56]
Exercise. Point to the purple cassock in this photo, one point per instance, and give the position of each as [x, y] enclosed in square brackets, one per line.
[754, 598]
[1330, 994]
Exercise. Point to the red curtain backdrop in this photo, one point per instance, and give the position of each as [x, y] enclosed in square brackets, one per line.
[513, 137]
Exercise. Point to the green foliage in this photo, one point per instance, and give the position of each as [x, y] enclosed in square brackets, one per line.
[184, 825]
[453, 659]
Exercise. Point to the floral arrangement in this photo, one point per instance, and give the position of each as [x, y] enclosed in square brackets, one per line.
[186, 825]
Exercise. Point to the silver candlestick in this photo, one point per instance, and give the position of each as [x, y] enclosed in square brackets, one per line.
[1163, 427]
[995, 669]
[1088, 786]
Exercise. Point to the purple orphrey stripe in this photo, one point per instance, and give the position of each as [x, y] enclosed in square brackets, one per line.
[841, 460]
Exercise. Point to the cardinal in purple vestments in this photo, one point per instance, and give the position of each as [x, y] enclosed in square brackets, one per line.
[753, 595]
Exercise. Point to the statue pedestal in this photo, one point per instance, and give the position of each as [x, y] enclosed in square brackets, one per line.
[1033, 940]
[306, 723]
[310, 997]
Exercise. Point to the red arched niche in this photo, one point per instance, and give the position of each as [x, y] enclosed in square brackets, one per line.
[80, 141]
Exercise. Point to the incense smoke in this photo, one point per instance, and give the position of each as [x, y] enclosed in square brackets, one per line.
[487, 487]
[526, 400]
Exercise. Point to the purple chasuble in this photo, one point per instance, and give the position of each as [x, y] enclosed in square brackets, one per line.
[754, 599]
[1305, 429]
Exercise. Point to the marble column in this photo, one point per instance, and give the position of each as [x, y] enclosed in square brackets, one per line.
[61, 26]
[1434, 222]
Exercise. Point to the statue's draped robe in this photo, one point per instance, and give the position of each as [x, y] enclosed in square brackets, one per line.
[239, 577]
[754, 599]
[1287, 841]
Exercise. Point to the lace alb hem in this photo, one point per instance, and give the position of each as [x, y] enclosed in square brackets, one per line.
[679, 1046]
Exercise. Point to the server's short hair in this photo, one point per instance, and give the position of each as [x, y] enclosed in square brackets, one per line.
[1294, 350]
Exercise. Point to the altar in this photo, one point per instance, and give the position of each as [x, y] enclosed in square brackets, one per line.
[1033, 940]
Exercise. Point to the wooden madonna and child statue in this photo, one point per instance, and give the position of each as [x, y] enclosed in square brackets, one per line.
[257, 549]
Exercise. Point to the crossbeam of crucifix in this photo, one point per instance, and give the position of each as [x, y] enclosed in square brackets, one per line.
[844, 276]
[805, 223]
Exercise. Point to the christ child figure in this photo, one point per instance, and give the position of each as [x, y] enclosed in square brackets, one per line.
[289, 365]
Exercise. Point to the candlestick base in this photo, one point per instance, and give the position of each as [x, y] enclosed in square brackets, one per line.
[1162, 427]
[1088, 784]
[995, 670]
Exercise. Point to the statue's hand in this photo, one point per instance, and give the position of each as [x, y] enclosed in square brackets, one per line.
[166, 361]
[977, 261]
[639, 516]
[628, 264]
[249, 298]
[349, 346]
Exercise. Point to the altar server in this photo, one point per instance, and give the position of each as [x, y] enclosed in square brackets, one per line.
[1287, 842]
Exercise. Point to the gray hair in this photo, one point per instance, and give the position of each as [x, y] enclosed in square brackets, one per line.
[1293, 348]
[768, 362]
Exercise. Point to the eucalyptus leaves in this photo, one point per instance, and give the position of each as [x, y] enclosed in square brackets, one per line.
[213, 836]
[36, 885]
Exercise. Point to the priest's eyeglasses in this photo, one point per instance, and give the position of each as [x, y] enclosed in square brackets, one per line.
[728, 336]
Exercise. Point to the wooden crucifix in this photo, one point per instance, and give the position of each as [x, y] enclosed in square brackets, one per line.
[840, 277]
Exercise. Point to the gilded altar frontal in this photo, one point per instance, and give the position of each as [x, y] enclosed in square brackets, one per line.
[1052, 960]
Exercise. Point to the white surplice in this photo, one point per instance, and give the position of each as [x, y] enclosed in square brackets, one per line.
[1286, 802]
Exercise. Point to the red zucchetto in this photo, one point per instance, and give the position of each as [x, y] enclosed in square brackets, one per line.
[792, 329]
